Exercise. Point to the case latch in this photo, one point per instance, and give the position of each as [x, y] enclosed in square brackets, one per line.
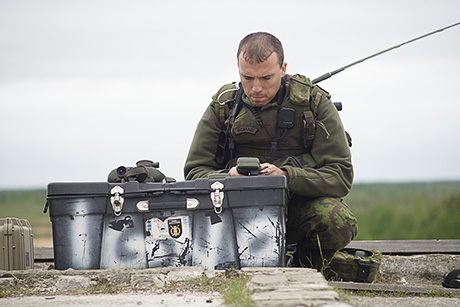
[217, 196]
[192, 203]
[117, 199]
[143, 206]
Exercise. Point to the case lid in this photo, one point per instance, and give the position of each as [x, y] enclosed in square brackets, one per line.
[193, 186]
[130, 197]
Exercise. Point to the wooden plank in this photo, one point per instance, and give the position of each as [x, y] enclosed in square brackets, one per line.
[410, 246]
[395, 247]
[43, 254]
[393, 288]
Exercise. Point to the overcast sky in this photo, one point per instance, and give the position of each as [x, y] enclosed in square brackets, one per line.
[86, 86]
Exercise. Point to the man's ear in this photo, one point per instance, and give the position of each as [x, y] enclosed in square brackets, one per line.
[283, 69]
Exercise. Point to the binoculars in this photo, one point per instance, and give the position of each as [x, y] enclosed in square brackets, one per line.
[144, 171]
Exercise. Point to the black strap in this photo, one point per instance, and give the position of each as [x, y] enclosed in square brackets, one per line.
[275, 138]
[237, 105]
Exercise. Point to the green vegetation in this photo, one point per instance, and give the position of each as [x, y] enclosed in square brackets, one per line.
[104, 286]
[406, 211]
[231, 284]
[389, 211]
[375, 293]
[27, 204]
[235, 292]
[17, 288]
[344, 295]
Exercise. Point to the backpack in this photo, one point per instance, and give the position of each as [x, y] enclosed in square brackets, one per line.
[352, 264]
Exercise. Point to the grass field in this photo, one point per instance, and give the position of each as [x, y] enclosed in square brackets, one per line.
[385, 211]
[407, 211]
[28, 204]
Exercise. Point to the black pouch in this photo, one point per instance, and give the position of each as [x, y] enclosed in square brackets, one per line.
[286, 118]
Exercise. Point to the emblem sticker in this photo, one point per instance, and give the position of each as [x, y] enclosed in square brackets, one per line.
[175, 228]
[155, 229]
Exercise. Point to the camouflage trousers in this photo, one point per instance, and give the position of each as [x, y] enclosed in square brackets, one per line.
[319, 228]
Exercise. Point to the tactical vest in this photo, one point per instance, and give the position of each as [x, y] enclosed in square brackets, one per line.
[254, 129]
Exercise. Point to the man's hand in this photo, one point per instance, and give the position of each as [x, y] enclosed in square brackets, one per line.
[233, 172]
[270, 169]
[265, 169]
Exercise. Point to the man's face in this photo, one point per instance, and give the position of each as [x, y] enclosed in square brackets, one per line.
[261, 81]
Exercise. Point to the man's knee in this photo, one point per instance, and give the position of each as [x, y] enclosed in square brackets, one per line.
[325, 223]
[341, 223]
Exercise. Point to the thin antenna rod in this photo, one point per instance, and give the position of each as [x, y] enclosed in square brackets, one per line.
[330, 74]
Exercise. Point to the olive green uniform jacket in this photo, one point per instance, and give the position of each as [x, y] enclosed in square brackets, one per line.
[321, 169]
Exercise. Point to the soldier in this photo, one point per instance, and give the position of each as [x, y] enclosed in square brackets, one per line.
[294, 129]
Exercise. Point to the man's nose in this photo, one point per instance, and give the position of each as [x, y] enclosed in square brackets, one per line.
[256, 86]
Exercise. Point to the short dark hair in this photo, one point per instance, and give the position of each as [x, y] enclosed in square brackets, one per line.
[258, 46]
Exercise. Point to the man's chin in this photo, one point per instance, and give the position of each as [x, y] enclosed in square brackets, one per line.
[259, 102]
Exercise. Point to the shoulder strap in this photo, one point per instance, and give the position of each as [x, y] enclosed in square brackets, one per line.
[225, 150]
[223, 108]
